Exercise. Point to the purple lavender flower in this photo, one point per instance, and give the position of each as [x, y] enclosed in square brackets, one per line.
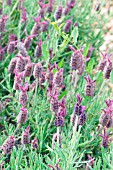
[105, 141]
[107, 70]
[37, 70]
[36, 26]
[62, 107]
[103, 61]
[38, 50]
[54, 103]
[67, 25]
[28, 69]
[34, 144]
[82, 119]
[41, 11]
[8, 145]
[58, 12]
[25, 136]
[49, 6]
[28, 39]
[22, 116]
[49, 74]
[23, 16]
[23, 93]
[78, 108]
[50, 53]
[12, 43]
[106, 118]
[58, 78]
[71, 3]
[42, 79]
[12, 65]
[91, 163]
[66, 10]
[17, 79]
[44, 26]
[89, 52]
[20, 63]
[2, 53]
[90, 85]
[9, 2]
[59, 120]
[77, 61]
[3, 23]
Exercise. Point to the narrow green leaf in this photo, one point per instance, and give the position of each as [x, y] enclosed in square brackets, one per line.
[75, 34]
[90, 65]
[85, 50]
[111, 76]
[61, 63]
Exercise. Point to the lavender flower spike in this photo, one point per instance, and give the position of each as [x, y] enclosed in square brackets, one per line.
[89, 88]
[22, 116]
[103, 61]
[23, 93]
[36, 26]
[38, 50]
[34, 144]
[3, 23]
[8, 145]
[58, 12]
[108, 69]
[105, 141]
[67, 25]
[89, 52]
[25, 136]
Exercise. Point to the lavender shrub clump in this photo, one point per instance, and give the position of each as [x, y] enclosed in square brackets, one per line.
[56, 102]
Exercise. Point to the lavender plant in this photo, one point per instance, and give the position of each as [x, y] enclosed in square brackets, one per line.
[42, 124]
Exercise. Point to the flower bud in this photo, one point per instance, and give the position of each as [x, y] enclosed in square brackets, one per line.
[103, 61]
[82, 119]
[12, 65]
[59, 120]
[9, 2]
[34, 144]
[28, 39]
[42, 79]
[58, 12]
[66, 10]
[107, 69]
[58, 78]
[36, 26]
[8, 145]
[25, 136]
[38, 50]
[23, 93]
[37, 70]
[28, 70]
[3, 23]
[90, 85]
[104, 142]
[44, 26]
[20, 64]
[67, 25]
[49, 6]
[22, 116]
